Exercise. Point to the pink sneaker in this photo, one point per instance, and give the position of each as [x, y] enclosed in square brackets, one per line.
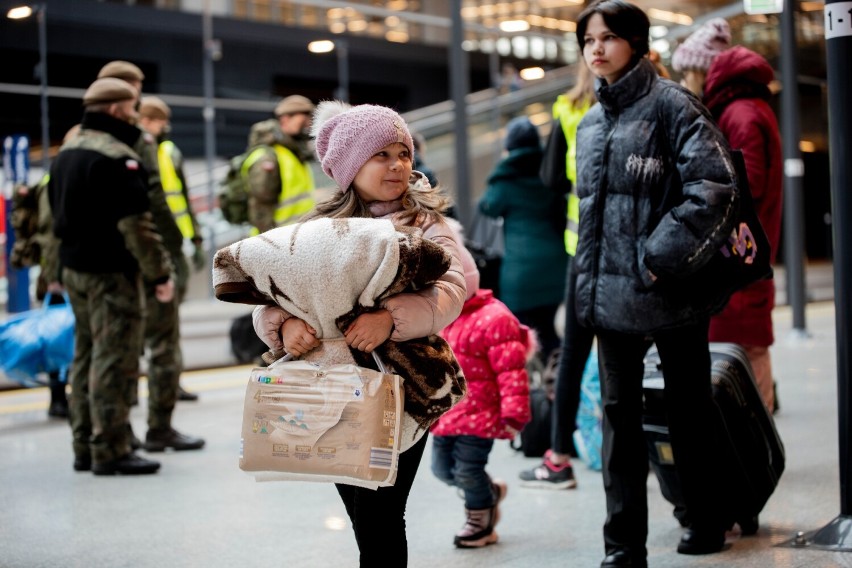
[549, 475]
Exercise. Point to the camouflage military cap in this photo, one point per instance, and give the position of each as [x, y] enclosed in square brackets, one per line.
[154, 107]
[121, 70]
[294, 104]
[109, 90]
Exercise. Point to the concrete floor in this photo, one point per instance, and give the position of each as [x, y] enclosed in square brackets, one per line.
[201, 510]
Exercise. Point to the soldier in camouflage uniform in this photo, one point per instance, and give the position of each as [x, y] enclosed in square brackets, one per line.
[162, 323]
[281, 186]
[109, 246]
[155, 118]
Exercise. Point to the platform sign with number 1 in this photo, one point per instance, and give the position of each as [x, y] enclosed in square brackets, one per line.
[838, 20]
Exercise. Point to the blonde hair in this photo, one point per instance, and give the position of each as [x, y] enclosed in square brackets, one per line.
[583, 92]
[420, 201]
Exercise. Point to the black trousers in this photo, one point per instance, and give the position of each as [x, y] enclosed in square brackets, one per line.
[685, 358]
[576, 345]
[378, 517]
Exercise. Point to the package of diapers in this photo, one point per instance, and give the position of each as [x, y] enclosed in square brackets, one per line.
[308, 422]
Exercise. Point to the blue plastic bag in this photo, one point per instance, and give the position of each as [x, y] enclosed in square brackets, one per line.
[588, 437]
[38, 341]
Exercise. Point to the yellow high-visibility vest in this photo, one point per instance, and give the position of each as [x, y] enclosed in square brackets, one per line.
[569, 118]
[173, 188]
[297, 184]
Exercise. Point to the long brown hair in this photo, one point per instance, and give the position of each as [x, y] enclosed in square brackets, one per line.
[419, 201]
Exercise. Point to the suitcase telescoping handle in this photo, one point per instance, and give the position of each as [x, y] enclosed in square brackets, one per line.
[379, 364]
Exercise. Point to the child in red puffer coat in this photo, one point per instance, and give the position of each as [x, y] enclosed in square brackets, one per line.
[492, 348]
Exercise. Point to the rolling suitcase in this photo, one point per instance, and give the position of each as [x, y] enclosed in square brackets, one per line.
[752, 453]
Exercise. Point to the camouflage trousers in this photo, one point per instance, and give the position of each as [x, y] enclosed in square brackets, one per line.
[162, 346]
[108, 336]
[181, 274]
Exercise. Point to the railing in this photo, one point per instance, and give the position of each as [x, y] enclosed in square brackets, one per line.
[437, 119]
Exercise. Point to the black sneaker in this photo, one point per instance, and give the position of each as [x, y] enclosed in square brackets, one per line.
[701, 541]
[58, 408]
[157, 440]
[549, 475]
[131, 464]
[186, 395]
[83, 463]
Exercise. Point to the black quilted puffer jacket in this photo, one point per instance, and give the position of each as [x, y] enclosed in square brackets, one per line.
[657, 195]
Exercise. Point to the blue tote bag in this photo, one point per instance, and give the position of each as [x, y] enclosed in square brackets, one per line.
[38, 341]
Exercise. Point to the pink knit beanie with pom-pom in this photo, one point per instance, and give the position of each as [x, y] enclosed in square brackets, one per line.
[348, 136]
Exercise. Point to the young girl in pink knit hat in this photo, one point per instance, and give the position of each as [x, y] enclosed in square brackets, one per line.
[368, 151]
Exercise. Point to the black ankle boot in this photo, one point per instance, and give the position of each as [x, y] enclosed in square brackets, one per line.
[701, 541]
[624, 558]
[58, 399]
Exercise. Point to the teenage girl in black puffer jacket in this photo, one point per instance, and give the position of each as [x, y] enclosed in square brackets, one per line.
[657, 199]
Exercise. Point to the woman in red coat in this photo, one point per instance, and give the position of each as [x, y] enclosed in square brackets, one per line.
[736, 92]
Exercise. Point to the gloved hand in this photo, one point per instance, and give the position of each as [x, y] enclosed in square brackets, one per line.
[199, 257]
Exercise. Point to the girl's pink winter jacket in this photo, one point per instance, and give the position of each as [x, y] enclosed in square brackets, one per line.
[492, 347]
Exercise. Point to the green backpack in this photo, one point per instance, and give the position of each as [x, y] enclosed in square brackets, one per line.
[234, 191]
[24, 221]
[234, 188]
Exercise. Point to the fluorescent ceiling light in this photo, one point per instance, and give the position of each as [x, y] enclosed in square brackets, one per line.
[672, 17]
[532, 73]
[321, 46]
[515, 25]
[19, 13]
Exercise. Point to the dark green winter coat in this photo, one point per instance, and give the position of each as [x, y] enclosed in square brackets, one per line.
[533, 271]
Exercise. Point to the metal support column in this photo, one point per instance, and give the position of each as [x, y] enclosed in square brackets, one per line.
[839, 79]
[837, 534]
[494, 72]
[459, 87]
[41, 16]
[794, 169]
[211, 51]
[342, 47]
